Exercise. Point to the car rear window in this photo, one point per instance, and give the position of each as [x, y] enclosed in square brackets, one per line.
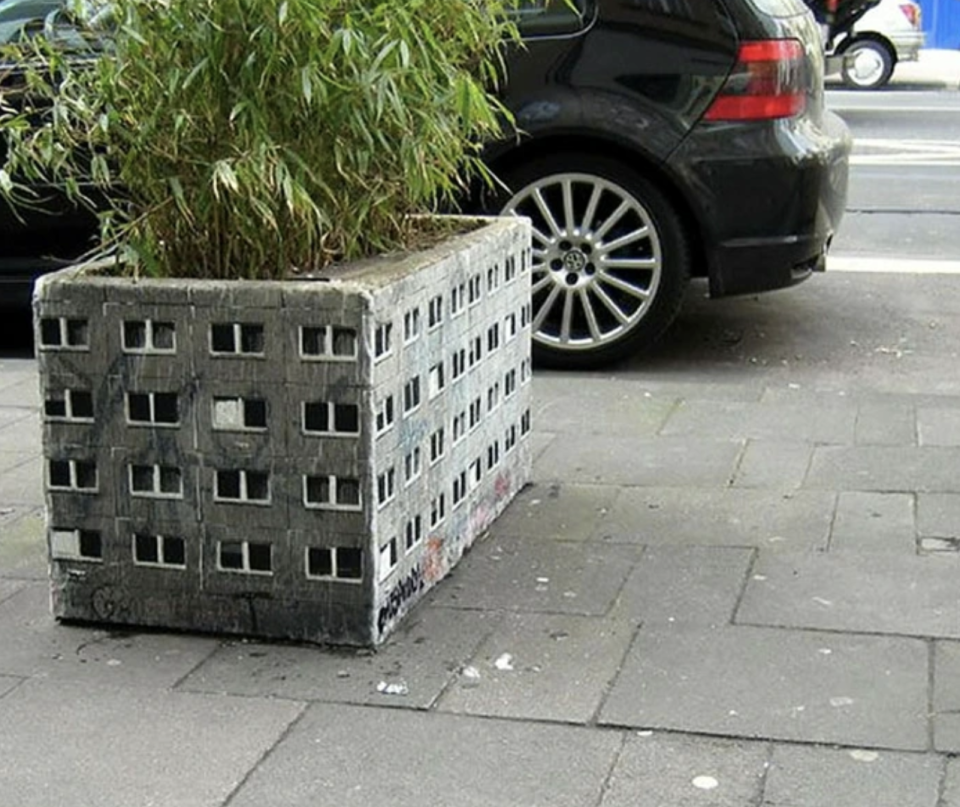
[780, 8]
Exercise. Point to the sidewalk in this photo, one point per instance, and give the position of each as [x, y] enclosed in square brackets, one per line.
[735, 583]
[935, 69]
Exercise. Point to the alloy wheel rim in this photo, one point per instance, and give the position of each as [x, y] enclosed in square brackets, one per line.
[867, 66]
[597, 260]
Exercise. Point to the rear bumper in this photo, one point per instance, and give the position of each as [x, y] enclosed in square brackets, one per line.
[771, 198]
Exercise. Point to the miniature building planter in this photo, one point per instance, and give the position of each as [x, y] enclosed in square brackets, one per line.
[289, 459]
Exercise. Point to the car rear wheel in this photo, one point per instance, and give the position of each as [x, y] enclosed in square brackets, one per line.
[867, 65]
[611, 258]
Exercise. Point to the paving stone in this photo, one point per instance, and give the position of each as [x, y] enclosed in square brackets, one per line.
[102, 746]
[874, 522]
[774, 684]
[773, 465]
[9, 587]
[22, 433]
[538, 575]
[669, 461]
[734, 420]
[938, 426]
[884, 468]
[685, 584]
[802, 776]
[20, 390]
[865, 592]
[539, 442]
[552, 667]
[668, 770]
[565, 511]
[951, 784]
[35, 644]
[23, 545]
[23, 485]
[359, 758]
[892, 424]
[8, 683]
[938, 515]
[719, 517]
[946, 696]
[615, 407]
[422, 657]
[10, 460]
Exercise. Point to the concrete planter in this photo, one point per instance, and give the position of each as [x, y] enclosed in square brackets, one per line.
[287, 459]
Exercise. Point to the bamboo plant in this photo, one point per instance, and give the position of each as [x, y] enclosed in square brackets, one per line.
[253, 138]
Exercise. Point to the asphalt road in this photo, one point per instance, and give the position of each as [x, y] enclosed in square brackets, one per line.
[904, 199]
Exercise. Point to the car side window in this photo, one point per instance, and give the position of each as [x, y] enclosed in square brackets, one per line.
[551, 17]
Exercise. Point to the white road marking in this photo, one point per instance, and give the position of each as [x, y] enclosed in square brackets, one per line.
[907, 266]
[882, 151]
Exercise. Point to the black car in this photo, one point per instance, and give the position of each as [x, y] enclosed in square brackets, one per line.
[658, 140]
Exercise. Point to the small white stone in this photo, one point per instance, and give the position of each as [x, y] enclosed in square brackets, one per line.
[862, 755]
[504, 662]
[705, 782]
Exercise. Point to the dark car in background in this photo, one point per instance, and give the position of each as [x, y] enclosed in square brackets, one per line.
[658, 140]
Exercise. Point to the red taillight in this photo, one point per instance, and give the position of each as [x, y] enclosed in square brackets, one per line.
[767, 82]
[912, 13]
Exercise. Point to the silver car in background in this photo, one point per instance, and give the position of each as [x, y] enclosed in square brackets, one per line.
[866, 55]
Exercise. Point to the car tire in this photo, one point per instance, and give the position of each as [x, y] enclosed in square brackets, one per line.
[867, 65]
[611, 257]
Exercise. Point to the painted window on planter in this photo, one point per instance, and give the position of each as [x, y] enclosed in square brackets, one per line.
[71, 404]
[156, 481]
[153, 408]
[385, 415]
[510, 439]
[249, 557]
[386, 486]
[411, 325]
[159, 550]
[435, 312]
[459, 426]
[510, 329]
[493, 278]
[459, 488]
[458, 299]
[329, 492]
[525, 315]
[493, 396]
[411, 395]
[458, 364]
[388, 559]
[474, 289]
[334, 563]
[412, 466]
[438, 445]
[436, 380]
[234, 414]
[242, 487]
[493, 455]
[237, 339]
[510, 269]
[476, 412]
[493, 337]
[328, 343]
[76, 475]
[76, 545]
[412, 532]
[64, 333]
[525, 422]
[324, 417]
[438, 510]
[524, 371]
[148, 336]
[383, 340]
[476, 473]
[475, 353]
[509, 383]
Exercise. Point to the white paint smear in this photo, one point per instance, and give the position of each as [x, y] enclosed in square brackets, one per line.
[860, 755]
[705, 783]
[504, 662]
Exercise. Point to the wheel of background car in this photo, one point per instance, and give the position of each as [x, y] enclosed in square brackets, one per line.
[611, 258]
[867, 65]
